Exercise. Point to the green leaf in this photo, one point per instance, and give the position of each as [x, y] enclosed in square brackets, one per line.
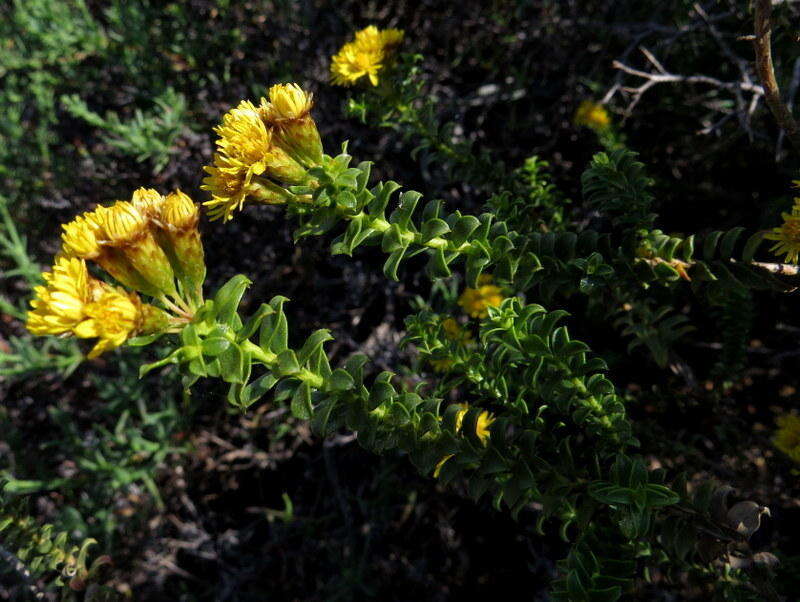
[227, 299]
[608, 493]
[287, 363]
[215, 345]
[405, 208]
[434, 228]
[274, 333]
[313, 343]
[340, 380]
[392, 264]
[301, 402]
[232, 362]
[659, 495]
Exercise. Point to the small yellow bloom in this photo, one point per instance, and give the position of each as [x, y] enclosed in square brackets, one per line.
[59, 305]
[121, 224]
[178, 212]
[113, 317]
[253, 160]
[787, 235]
[367, 55]
[148, 202]
[180, 239]
[592, 115]
[454, 331]
[286, 103]
[476, 301]
[127, 229]
[288, 112]
[230, 186]
[484, 421]
[244, 137]
[72, 302]
[787, 437]
[439, 465]
[460, 415]
[80, 238]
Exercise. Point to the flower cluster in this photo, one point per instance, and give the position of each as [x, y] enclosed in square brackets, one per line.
[370, 52]
[787, 437]
[787, 234]
[262, 151]
[150, 245]
[592, 115]
[477, 301]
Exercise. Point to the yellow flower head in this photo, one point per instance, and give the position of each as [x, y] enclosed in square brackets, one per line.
[230, 185]
[288, 112]
[71, 301]
[252, 162]
[287, 102]
[121, 224]
[484, 421]
[179, 212]
[366, 56]
[113, 317]
[476, 301]
[80, 237]
[148, 202]
[454, 331]
[592, 115]
[244, 138]
[787, 235]
[59, 305]
[787, 437]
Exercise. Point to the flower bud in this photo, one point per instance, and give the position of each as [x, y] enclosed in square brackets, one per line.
[289, 113]
[127, 229]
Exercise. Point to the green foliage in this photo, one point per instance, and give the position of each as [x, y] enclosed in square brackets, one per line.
[403, 104]
[147, 135]
[39, 553]
[532, 202]
[616, 185]
[658, 329]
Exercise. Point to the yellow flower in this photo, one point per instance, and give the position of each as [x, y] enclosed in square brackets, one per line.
[250, 164]
[71, 301]
[148, 202]
[231, 185]
[126, 228]
[592, 115]
[113, 317]
[288, 112]
[454, 331]
[58, 306]
[439, 465]
[787, 437]
[178, 212]
[366, 56]
[476, 301]
[460, 415]
[787, 235]
[286, 102]
[180, 239]
[484, 421]
[244, 137]
[80, 238]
